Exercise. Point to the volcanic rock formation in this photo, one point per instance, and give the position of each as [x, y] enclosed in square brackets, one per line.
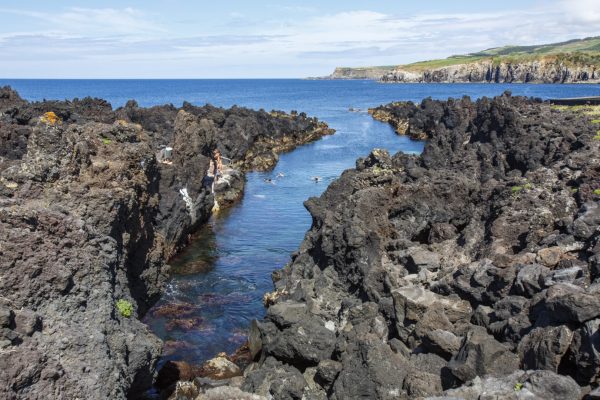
[88, 220]
[472, 268]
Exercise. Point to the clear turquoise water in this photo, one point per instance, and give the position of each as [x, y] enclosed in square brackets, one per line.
[239, 249]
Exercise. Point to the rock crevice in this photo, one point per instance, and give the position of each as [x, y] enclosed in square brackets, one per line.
[471, 268]
[89, 217]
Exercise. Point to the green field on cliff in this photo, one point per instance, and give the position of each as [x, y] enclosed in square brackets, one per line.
[574, 52]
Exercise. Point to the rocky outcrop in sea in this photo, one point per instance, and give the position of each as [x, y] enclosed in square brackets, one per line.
[468, 272]
[93, 203]
[488, 71]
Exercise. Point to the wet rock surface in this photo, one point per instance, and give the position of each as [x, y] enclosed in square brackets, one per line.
[88, 220]
[468, 271]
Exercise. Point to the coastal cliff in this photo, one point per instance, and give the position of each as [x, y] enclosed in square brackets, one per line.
[471, 270]
[574, 61]
[90, 215]
[374, 73]
[490, 71]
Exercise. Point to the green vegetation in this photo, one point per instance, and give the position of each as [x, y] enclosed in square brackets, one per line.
[573, 52]
[518, 386]
[125, 308]
[106, 141]
[518, 189]
[597, 192]
[587, 111]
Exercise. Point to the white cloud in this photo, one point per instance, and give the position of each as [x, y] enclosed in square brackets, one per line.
[94, 21]
[586, 11]
[127, 38]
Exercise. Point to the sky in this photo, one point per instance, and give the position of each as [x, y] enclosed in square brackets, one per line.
[266, 39]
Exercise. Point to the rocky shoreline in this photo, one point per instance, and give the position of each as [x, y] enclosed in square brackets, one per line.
[88, 220]
[468, 272]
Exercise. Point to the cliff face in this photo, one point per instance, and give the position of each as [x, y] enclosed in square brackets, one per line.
[473, 268]
[491, 72]
[88, 220]
[374, 73]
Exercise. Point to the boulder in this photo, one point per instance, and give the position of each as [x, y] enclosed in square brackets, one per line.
[583, 361]
[566, 303]
[422, 259]
[530, 279]
[443, 343]
[519, 385]
[275, 380]
[480, 355]
[544, 348]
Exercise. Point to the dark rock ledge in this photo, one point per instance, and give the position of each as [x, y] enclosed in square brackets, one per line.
[88, 220]
[469, 272]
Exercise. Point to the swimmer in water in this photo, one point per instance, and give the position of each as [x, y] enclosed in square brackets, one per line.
[268, 180]
[316, 178]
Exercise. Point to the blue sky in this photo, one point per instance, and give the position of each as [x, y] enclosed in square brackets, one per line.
[266, 39]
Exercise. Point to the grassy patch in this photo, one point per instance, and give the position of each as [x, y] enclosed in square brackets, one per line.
[520, 188]
[124, 308]
[106, 141]
[597, 192]
[518, 386]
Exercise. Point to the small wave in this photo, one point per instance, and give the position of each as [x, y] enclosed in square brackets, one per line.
[260, 196]
[330, 146]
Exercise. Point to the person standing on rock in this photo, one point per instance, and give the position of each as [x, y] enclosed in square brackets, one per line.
[218, 164]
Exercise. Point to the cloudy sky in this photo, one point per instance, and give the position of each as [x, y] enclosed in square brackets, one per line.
[266, 39]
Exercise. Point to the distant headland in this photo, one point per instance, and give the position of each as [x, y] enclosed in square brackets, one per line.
[573, 61]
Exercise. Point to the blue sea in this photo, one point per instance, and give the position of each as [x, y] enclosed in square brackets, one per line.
[221, 277]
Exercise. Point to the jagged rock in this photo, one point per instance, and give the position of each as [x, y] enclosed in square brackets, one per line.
[491, 191]
[530, 279]
[275, 380]
[296, 336]
[568, 303]
[422, 259]
[327, 372]
[480, 354]
[544, 348]
[567, 275]
[587, 222]
[519, 385]
[443, 343]
[88, 218]
[370, 370]
[584, 353]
